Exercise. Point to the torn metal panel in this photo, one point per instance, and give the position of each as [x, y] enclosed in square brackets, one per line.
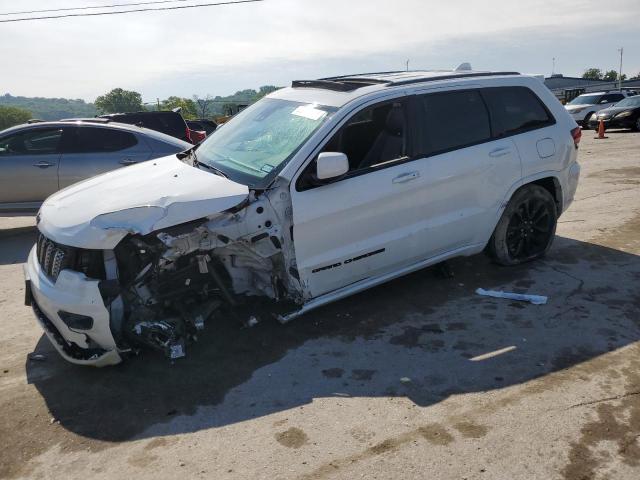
[164, 286]
[98, 213]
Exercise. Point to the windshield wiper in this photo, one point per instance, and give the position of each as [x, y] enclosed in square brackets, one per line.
[191, 155]
[217, 171]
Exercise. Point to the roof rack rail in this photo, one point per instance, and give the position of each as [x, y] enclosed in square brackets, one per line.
[339, 85]
[449, 77]
[363, 75]
[350, 83]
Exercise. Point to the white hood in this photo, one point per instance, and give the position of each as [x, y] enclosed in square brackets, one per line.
[97, 213]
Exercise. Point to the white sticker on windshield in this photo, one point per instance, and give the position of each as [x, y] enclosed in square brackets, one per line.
[309, 111]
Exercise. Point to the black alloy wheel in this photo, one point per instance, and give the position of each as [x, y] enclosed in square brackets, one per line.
[527, 227]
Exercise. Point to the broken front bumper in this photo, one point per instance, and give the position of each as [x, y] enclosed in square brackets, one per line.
[72, 313]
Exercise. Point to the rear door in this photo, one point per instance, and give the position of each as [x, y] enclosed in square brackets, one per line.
[92, 150]
[29, 165]
[466, 171]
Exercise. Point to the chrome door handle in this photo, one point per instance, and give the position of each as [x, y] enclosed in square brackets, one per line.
[43, 164]
[500, 152]
[406, 177]
[128, 161]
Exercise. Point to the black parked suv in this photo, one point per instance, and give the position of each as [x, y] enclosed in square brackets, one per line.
[168, 122]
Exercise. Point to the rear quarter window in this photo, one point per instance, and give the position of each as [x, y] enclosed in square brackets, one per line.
[515, 110]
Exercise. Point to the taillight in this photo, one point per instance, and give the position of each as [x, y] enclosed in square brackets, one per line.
[189, 135]
[576, 134]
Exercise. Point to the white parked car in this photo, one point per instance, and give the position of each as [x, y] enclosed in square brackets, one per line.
[584, 106]
[312, 194]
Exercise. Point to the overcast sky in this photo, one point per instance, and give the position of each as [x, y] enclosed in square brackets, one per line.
[218, 50]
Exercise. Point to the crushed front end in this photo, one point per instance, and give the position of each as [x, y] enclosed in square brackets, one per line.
[159, 289]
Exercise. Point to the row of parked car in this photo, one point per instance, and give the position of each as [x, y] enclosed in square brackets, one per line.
[617, 109]
[39, 158]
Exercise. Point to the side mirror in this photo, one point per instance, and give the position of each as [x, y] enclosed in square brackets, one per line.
[602, 102]
[331, 165]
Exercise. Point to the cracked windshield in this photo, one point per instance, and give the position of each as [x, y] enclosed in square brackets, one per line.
[253, 147]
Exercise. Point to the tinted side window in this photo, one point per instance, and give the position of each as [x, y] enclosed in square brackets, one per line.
[452, 120]
[93, 139]
[42, 141]
[515, 110]
[372, 138]
[612, 97]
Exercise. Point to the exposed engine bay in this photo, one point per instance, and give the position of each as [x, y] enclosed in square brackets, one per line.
[164, 287]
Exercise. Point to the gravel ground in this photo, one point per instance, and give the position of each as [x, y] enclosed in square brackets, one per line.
[418, 378]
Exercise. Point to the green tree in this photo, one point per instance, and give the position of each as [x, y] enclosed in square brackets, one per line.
[189, 109]
[10, 116]
[592, 74]
[50, 108]
[205, 105]
[610, 76]
[266, 90]
[119, 101]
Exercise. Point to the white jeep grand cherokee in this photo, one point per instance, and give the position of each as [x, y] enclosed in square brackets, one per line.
[312, 194]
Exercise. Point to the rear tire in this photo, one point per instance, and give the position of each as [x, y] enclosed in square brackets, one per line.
[526, 228]
[636, 126]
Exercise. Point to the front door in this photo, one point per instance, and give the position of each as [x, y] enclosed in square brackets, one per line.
[29, 166]
[355, 227]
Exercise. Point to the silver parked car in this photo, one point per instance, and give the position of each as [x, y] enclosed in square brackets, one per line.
[41, 158]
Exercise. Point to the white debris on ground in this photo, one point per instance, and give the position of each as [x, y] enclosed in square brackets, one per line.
[534, 299]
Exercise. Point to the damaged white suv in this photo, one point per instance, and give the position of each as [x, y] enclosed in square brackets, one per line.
[312, 194]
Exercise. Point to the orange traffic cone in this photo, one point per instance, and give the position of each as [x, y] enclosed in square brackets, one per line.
[600, 131]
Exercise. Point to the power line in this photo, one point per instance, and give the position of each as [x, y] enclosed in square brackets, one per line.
[118, 12]
[115, 5]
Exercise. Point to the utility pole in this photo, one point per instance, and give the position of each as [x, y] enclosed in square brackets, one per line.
[553, 68]
[621, 50]
[407, 65]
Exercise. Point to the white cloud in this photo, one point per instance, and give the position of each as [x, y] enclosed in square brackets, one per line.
[159, 52]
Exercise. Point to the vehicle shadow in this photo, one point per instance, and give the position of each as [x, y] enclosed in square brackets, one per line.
[16, 244]
[423, 337]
